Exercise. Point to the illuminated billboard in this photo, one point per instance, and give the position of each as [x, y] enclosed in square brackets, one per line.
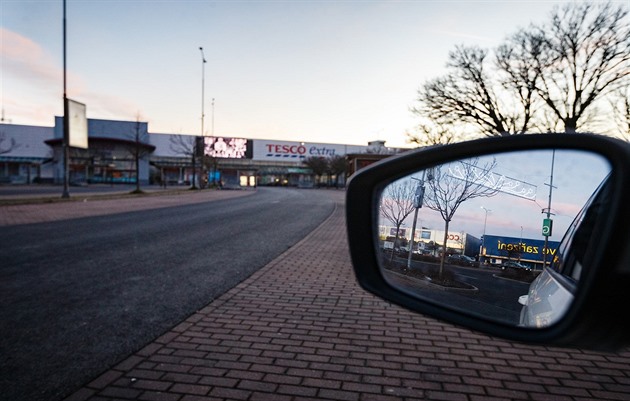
[227, 148]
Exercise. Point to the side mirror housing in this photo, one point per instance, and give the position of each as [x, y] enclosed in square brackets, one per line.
[570, 291]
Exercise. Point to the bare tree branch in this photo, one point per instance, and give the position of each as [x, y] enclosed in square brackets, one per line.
[7, 147]
[586, 55]
[620, 104]
[470, 93]
[432, 133]
[186, 145]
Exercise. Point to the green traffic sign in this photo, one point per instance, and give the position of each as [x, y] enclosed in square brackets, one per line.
[546, 228]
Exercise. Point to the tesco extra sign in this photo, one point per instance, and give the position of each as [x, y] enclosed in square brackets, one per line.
[291, 150]
[294, 151]
[452, 237]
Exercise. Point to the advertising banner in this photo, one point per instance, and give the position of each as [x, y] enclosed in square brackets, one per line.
[510, 247]
[77, 123]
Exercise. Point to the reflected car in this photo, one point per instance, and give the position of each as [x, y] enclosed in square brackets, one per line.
[462, 260]
[551, 293]
[510, 264]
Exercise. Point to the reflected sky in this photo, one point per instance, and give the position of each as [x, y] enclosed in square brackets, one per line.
[576, 174]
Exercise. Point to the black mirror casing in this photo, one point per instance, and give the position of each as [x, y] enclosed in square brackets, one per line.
[598, 317]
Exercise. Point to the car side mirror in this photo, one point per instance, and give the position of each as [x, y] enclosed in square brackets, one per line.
[523, 237]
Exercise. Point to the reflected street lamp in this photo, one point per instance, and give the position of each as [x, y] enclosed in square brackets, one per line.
[417, 203]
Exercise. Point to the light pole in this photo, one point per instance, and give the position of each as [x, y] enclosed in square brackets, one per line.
[203, 77]
[483, 239]
[66, 119]
[196, 144]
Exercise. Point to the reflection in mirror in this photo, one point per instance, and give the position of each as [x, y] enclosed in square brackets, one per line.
[485, 235]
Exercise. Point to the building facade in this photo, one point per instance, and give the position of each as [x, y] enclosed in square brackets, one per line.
[30, 154]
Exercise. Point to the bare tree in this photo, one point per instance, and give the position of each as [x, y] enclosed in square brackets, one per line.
[470, 92]
[186, 145]
[318, 164]
[430, 133]
[519, 74]
[451, 185]
[620, 104]
[397, 204]
[139, 148]
[7, 147]
[585, 55]
[337, 165]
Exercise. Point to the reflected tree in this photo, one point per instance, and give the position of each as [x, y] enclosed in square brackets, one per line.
[397, 204]
[451, 185]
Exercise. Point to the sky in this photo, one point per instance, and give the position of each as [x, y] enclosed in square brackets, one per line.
[315, 71]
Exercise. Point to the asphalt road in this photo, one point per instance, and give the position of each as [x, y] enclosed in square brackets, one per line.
[80, 295]
[491, 296]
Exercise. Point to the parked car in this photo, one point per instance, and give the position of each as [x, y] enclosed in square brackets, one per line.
[462, 260]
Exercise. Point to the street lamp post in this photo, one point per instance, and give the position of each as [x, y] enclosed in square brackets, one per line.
[483, 240]
[196, 144]
[203, 77]
[66, 119]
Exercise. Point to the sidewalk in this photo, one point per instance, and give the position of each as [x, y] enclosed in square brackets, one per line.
[34, 208]
[301, 329]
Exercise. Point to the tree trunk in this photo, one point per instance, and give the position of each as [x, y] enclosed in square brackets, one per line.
[444, 248]
[137, 170]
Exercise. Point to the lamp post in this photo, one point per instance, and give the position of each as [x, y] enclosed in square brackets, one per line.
[196, 143]
[483, 240]
[66, 120]
[203, 77]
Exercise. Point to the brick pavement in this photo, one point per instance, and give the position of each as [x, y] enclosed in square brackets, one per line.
[301, 329]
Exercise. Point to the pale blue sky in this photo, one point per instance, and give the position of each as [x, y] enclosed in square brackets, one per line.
[316, 71]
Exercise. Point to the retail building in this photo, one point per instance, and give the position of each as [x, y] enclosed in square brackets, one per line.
[32, 154]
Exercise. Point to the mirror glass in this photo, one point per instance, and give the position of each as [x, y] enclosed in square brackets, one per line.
[486, 235]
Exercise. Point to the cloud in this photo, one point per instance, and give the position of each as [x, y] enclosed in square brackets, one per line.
[26, 60]
[32, 81]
